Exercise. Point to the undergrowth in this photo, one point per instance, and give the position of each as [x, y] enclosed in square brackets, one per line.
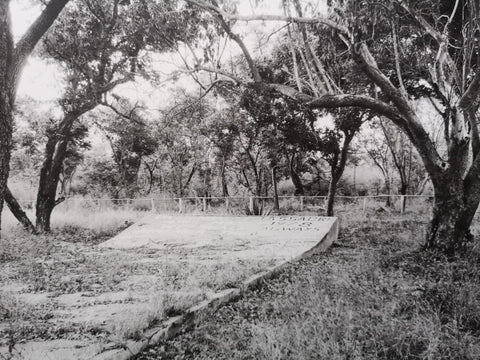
[374, 295]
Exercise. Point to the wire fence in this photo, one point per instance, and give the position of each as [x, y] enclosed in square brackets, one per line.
[251, 205]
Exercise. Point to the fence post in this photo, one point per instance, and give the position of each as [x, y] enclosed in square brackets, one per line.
[364, 204]
[180, 205]
[204, 204]
[250, 205]
[227, 203]
[402, 203]
[152, 203]
[301, 203]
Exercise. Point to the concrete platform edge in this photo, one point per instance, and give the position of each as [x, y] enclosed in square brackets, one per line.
[173, 326]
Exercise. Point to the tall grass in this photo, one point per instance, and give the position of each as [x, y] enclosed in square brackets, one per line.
[71, 220]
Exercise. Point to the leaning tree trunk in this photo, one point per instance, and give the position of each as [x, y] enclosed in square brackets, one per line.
[18, 212]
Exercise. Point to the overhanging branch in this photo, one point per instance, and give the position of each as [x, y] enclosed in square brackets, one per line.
[33, 35]
[266, 17]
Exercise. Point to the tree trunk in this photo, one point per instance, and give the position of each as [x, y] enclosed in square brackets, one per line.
[388, 188]
[7, 97]
[297, 182]
[276, 204]
[453, 211]
[224, 178]
[403, 188]
[18, 212]
[190, 176]
[332, 190]
[337, 169]
[55, 152]
[6, 121]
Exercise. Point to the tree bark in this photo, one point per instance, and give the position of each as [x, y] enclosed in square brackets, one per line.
[449, 227]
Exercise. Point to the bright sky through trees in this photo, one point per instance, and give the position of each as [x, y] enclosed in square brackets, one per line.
[43, 81]
[39, 79]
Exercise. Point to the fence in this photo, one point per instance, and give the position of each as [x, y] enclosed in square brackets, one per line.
[252, 205]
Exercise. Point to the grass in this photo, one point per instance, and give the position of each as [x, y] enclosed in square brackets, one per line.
[67, 262]
[374, 295]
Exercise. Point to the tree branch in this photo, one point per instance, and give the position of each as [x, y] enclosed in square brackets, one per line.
[251, 64]
[263, 17]
[236, 79]
[397, 61]
[443, 56]
[33, 35]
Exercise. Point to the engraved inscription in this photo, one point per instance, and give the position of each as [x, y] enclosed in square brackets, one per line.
[296, 223]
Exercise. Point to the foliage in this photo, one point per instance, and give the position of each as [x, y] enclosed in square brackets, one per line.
[101, 178]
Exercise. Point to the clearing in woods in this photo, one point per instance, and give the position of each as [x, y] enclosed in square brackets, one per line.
[78, 301]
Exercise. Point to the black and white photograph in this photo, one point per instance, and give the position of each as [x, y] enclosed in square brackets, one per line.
[239, 179]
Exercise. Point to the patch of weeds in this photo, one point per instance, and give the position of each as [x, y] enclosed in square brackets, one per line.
[454, 304]
[176, 303]
[77, 234]
[23, 322]
[159, 307]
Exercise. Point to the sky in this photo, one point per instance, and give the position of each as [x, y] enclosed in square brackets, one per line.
[43, 81]
[40, 80]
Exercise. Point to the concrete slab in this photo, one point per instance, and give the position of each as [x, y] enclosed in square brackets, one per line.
[202, 261]
[226, 237]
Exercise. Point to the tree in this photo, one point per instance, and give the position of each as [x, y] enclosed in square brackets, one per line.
[183, 148]
[132, 139]
[12, 59]
[287, 130]
[403, 50]
[106, 50]
[392, 151]
[100, 178]
[335, 145]
[222, 131]
[378, 151]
